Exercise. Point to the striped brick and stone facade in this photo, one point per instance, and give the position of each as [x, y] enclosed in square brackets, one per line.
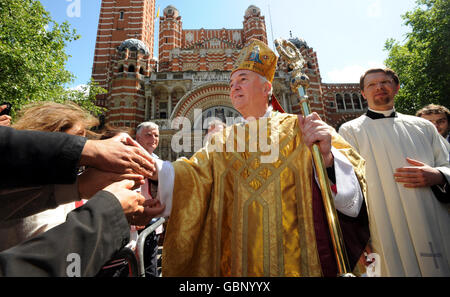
[192, 71]
[123, 57]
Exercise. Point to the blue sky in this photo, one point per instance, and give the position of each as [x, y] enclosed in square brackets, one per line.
[348, 35]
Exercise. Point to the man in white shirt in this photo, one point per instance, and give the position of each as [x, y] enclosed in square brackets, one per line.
[408, 177]
[147, 135]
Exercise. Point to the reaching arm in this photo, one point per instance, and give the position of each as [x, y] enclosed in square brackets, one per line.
[35, 158]
[94, 232]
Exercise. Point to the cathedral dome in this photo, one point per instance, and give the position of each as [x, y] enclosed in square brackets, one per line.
[299, 42]
[252, 10]
[134, 45]
[171, 11]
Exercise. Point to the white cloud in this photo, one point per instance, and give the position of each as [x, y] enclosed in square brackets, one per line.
[81, 88]
[375, 9]
[351, 73]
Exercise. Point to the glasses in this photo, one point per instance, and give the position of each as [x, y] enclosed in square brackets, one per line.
[382, 83]
[439, 122]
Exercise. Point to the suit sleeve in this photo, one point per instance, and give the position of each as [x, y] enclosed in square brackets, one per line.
[94, 232]
[35, 158]
[17, 203]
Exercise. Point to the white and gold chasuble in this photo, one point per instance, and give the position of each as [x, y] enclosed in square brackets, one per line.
[233, 215]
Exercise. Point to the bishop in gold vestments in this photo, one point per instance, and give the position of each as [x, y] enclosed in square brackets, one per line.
[242, 208]
[233, 215]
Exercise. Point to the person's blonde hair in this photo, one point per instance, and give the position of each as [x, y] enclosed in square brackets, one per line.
[53, 117]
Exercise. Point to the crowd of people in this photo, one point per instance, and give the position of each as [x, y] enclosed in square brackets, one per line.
[229, 213]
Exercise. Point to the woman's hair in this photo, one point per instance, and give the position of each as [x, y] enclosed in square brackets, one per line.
[53, 117]
[110, 131]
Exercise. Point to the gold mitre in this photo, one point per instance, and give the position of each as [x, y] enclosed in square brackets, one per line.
[257, 57]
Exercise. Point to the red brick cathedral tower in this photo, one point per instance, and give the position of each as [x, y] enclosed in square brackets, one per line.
[193, 71]
[123, 57]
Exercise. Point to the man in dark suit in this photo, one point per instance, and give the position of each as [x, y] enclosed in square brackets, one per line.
[94, 232]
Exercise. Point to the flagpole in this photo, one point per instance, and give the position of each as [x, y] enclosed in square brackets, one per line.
[271, 28]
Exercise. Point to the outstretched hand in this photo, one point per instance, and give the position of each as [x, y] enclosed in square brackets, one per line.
[132, 202]
[93, 180]
[152, 208]
[119, 154]
[5, 120]
[418, 175]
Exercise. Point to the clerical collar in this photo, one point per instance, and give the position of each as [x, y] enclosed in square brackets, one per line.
[381, 114]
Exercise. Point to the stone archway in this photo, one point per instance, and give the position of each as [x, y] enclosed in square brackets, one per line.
[202, 98]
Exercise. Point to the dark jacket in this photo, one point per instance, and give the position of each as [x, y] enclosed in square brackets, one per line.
[94, 231]
[32, 158]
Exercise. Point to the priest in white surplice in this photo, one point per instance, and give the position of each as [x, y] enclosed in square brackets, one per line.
[408, 174]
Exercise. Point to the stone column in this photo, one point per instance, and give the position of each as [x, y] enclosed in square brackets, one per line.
[153, 107]
[169, 105]
[285, 104]
[146, 108]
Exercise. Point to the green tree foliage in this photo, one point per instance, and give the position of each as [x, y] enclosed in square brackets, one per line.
[423, 61]
[32, 56]
[85, 96]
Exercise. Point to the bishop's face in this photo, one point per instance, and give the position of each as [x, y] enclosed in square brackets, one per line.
[249, 93]
[379, 91]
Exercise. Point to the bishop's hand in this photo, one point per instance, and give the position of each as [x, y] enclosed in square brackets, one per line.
[315, 130]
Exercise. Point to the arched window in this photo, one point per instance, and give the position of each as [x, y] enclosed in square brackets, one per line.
[340, 102]
[348, 102]
[163, 110]
[121, 15]
[120, 68]
[161, 97]
[131, 68]
[141, 71]
[356, 102]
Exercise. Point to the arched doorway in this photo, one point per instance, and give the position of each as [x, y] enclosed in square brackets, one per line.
[206, 101]
[225, 114]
